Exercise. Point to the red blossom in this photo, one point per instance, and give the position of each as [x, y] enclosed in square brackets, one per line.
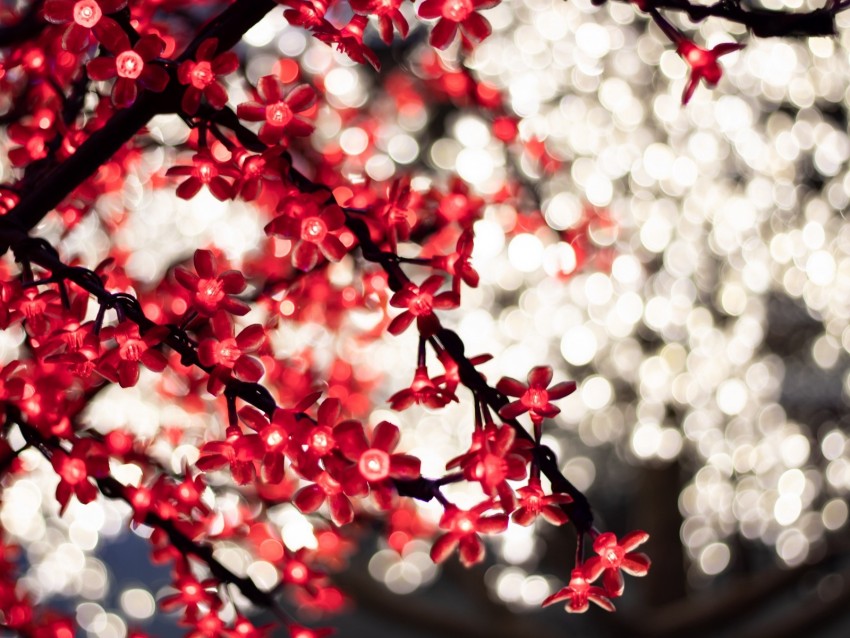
[419, 303]
[388, 13]
[229, 354]
[422, 391]
[191, 594]
[703, 64]
[212, 291]
[533, 502]
[457, 263]
[204, 171]
[85, 17]
[278, 111]
[463, 527]
[86, 461]
[131, 66]
[534, 397]
[313, 225]
[614, 558]
[122, 363]
[374, 463]
[201, 76]
[454, 14]
[239, 451]
[579, 594]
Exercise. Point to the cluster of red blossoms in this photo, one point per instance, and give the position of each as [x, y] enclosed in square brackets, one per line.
[79, 80]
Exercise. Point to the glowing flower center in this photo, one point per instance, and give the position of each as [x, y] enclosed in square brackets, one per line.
[192, 592]
[613, 556]
[202, 75]
[697, 57]
[297, 573]
[313, 229]
[278, 114]
[454, 206]
[141, 499]
[578, 583]
[536, 398]
[274, 437]
[87, 13]
[210, 291]
[228, 352]
[206, 171]
[254, 166]
[422, 305]
[132, 349]
[465, 524]
[374, 465]
[457, 10]
[492, 470]
[74, 471]
[321, 440]
[129, 64]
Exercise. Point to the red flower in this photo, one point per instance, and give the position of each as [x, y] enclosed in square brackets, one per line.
[423, 391]
[457, 264]
[615, 557]
[535, 396]
[85, 17]
[212, 291]
[229, 354]
[314, 227]
[375, 464]
[533, 502]
[388, 14]
[131, 66]
[122, 363]
[205, 171]
[86, 460]
[191, 594]
[453, 14]
[201, 74]
[277, 112]
[324, 488]
[703, 64]
[239, 451]
[494, 463]
[315, 441]
[463, 527]
[274, 437]
[419, 303]
[578, 594]
[349, 40]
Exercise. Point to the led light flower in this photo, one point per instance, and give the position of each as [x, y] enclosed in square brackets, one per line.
[463, 527]
[204, 171]
[229, 354]
[201, 76]
[388, 13]
[454, 14]
[419, 303]
[132, 67]
[579, 594]
[422, 391]
[534, 397]
[703, 63]
[122, 363]
[614, 558]
[211, 291]
[279, 112]
[85, 17]
[533, 502]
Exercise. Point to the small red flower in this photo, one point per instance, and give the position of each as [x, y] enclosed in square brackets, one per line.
[453, 14]
[457, 264]
[191, 594]
[313, 226]
[212, 291]
[533, 502]
[423, 391]
[388, 13]
[275, 438]
[703, 63]
[230, 354]
[86, 460]
[279, 112]
[131, 66]
[374, 463]
[239, 451]
[419, 303]
[204, 171]
[122, 363]
[324, 488]
[535, 397]
[463, 527]
[494, 463]
[615, 558]
[85, 17]
[201, 76]
[578, 594]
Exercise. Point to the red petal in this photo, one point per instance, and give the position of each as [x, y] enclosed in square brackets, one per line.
[512, 410]
[189, 188]
[124, 93]
[75, 38]
[492, 524]
[511, 387]
[59, 11]
[540, 377]
[248, 369]
[386, 436]
[269, 89]
[612, 581]
[633, 539]
[251, 111]
[636, 564]
[305, 256]
[351, 439]
[430, 9]
[232, 281]
[149, 47]
[204, 263]
[341, 510]
[404, 466]
[443, 34]
[101, 69]
[443, 547]
[220, 188]
[400, 323]
[476, 27]
[301, 98]
[216, 95]
[471, 550]
[225, 63]
[251, 338]
[154, 78]
[308, 499]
